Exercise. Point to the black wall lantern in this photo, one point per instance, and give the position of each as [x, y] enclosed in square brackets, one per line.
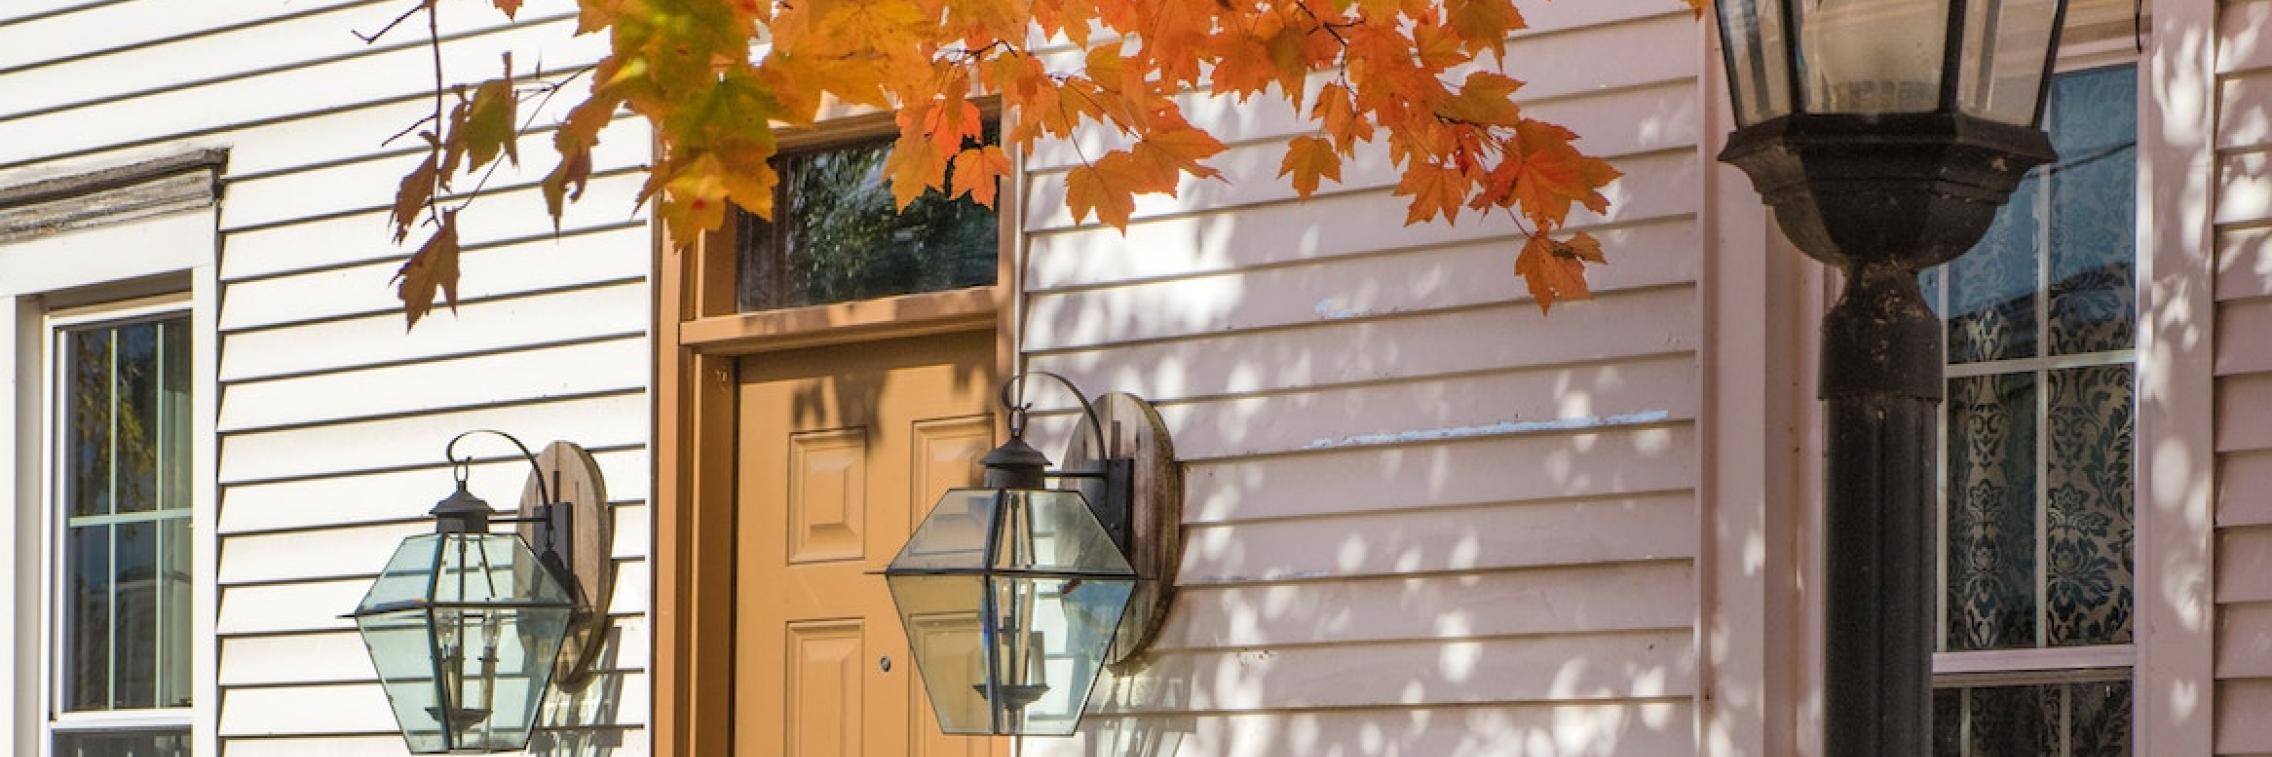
[1017, 596]
[466, 628]
[1885, 133]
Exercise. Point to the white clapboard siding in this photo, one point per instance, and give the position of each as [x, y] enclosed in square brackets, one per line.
[1421, 517]
[332, 419]
[405, 493]
[2243, 361]
[1657, 729]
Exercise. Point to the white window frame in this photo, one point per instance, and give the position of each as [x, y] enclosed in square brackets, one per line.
[116, 262]
[55, 522]
[2043, 665]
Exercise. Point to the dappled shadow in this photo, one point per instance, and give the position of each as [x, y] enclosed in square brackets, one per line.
[586, 720]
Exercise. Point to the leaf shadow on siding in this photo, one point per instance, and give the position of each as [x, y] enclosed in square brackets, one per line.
[1421, 519]
[586, 720]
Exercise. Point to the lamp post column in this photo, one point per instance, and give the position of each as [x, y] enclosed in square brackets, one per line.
[1881, 384]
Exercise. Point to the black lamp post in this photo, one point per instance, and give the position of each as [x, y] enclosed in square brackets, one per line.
[1885, 133]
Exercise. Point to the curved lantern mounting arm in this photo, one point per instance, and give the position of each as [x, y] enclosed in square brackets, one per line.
[461, 467]
[1018, 408]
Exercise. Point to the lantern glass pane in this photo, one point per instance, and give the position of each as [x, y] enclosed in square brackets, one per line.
[2005, 42]
[496, 664]
[401, 649]
[941, 616]
[1048, 529]
[1758, 60]
[463, 630]
[953, 536]
[1872, 56]
[1047, 647]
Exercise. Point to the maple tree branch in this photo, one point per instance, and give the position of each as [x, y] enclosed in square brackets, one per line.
[422, 121]
[549, 89]
[374, 36]
[434, 43]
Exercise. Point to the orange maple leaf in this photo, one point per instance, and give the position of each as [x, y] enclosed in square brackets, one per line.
[1310, 159]
[1106, 189]
[978, 172]
[1554, 270]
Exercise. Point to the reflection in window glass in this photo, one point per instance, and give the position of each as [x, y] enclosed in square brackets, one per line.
[125, 571]
[836, 235]
[138, 743]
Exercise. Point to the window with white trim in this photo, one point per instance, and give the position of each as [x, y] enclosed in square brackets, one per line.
[2037, 494]
[119, 505]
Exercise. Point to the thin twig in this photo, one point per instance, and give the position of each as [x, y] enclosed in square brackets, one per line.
[374, 36]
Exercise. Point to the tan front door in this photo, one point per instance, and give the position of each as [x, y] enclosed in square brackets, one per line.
[841, 451]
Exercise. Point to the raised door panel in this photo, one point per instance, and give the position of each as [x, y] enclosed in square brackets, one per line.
[827, 495]
[825, 688]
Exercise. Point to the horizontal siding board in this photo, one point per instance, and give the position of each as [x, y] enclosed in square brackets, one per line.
[285, 93]
[1643, 664]
[1636, 117]
[1248, 179]
[358, 550]
[2242, 728]
[1496, 537]
[2241, 45]
[225, 53]
[315, 606]
[2244, 187]
[397, 442]
[606, 255]
[1326, 226]
[521, 376]
[1331, 289]
[345, 499]
[614, 310]
[596, 740]
[2244, 412]
[1551, 399]
[361, 708]
[2244, 559]
[1559, 600]
[2244, 261]
[370, 184]
[340, 657]
[2244, 113]
[129, 25]
[1621, 325]
[2240, 334]
[1440, 474]
[2244, 641]
[1652, 729]
[2244, 489]
[504, 215]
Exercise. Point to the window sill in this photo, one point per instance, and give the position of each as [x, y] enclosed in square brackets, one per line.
[2019, 666]
[820, 325]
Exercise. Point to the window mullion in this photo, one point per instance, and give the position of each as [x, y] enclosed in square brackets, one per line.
[2043, 407]
[110, 534]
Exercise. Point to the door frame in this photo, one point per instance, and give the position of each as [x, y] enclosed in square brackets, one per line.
[698, 336]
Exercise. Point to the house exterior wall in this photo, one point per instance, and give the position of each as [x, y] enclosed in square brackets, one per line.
[330, 419]
[2243, 245]
[1420, 518]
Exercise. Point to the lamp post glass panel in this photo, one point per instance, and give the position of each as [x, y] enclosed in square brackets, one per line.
[1885, 134]
[1010, 598]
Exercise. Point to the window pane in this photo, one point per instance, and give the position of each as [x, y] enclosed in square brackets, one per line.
[836, 235]
[136, 425]
[87, 618]
[2015, 721]
[1991, 512]
[2046, 720]
[135, 617]
[1992, 289]
[168, 743]
[2093, 208]
[173, 414]
[2088, 529]
[174, 613]
[2099, 725]
[87, 440]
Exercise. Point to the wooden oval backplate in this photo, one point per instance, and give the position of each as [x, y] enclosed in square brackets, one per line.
[1133, 428]
[576, 483]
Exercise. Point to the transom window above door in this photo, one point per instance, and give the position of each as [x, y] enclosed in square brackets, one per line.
[836, 234]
